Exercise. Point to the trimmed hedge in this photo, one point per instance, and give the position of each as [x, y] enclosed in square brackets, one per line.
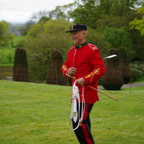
[20, 69]
[54, 75]
[112, 79]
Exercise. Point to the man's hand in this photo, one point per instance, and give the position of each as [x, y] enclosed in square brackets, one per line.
[80, 81]
[71, 71]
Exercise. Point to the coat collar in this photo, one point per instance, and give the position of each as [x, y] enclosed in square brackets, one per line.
[79, 46]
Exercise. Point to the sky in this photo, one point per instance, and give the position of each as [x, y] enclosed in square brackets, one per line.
[14, 11]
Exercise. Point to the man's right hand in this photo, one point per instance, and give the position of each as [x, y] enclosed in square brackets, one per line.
[71, 71]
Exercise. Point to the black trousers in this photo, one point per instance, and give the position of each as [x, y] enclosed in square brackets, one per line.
[83, 132]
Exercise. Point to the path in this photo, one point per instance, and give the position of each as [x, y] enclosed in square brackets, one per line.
[126, 85]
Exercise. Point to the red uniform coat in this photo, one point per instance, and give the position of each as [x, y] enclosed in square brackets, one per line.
[89, 65]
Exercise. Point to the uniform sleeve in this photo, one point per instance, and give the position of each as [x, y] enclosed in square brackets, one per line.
[97, 65]
[65, 68]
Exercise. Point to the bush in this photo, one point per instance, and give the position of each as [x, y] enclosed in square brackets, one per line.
[20, 69]
[137, 70]
[134, 74]
[112, 79]
[54, 75]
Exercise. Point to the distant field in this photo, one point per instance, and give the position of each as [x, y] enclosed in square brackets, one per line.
[39, 114]
[17, 39]
[7, 53]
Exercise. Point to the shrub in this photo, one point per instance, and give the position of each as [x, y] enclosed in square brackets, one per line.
[112, 80]
[54, 75]
[137, 70]
[20, 69]
[134, 74]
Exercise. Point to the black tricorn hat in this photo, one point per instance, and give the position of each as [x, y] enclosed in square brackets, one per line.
[77, 27]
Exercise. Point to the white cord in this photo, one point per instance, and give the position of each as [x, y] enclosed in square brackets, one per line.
[82, 109]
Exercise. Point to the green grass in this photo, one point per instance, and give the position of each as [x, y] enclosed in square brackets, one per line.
[6, 72]
[7, 65]
[9, 51]
[17, 39]
[39, 114]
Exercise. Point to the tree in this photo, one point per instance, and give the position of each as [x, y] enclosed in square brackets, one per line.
[5, 36]
[37, 16]
[28, 25]
[117, 37]
[138, 24]
[89, 11]
[121, 7]
[63, 11]
[44, 19]
[96, 38]
[42, 39]
[133, 34]
[59, 12]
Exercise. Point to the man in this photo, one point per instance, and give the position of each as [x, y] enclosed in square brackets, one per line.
[86, 65]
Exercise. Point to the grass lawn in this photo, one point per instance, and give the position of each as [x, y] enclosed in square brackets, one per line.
[39, 114]
[7, 53]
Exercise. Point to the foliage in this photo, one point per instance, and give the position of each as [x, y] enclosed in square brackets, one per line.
[38, 57]
[113, 14]
[140, 80]
[134, 74]
[6, 56]
[7, 52]
[112, 79]
[117, 37]
[89, 11]
[19, 41]
[5, 36]
[55, 75]
[39, 113]
[42, 39]
[133, 35]
[110, 21]
[119, 7]
[96, 38]
[10, 57]
[137, 70]
[20, 69]
[137, 50]
[99, 14]
[124, 64]
[59, 12]
[24, 29]
[44, 19]
[138, 24]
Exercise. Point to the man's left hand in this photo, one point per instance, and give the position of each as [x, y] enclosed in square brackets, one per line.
[80, 81]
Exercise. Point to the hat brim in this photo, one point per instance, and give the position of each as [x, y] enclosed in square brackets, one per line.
[73, 31]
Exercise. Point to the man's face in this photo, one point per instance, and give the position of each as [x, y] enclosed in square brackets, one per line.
[78, 37]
